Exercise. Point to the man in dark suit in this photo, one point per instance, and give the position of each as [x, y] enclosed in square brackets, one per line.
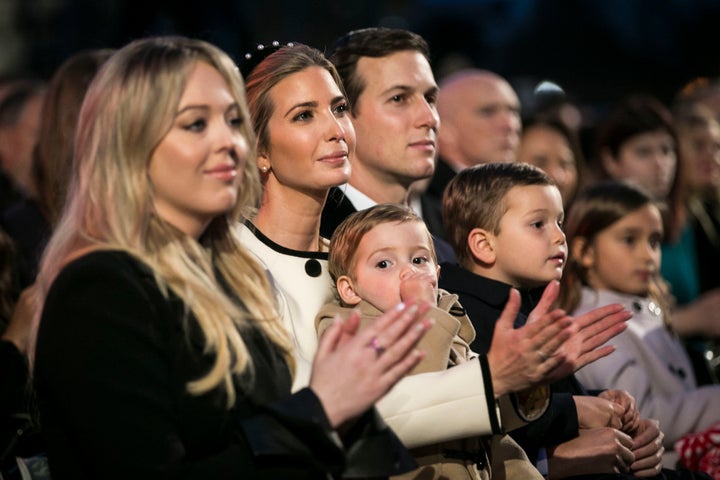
[392, 94]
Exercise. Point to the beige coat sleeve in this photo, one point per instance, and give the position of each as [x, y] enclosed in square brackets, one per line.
[436, 343]
[435, 407]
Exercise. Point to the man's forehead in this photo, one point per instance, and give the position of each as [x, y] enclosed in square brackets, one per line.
[405, 67]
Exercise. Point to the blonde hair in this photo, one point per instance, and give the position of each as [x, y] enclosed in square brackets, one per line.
[348, 235]
[128, 109]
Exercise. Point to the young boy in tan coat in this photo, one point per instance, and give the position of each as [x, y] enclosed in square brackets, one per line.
[384, 255]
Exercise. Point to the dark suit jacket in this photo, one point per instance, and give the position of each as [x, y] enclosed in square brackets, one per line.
[441, 177]
[338, 207]
[484, 300]
[26, 225]
[114, 357]
[432, 198]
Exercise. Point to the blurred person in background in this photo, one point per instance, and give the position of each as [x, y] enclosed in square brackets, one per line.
[551, 146]
[479, 123]
[637, 142]
[20, 109]
[29, 221]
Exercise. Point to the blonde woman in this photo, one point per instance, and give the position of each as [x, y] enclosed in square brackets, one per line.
[159, 352]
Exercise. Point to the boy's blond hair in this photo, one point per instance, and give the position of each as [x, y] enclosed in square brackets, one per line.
[475, 198]
[347, 237]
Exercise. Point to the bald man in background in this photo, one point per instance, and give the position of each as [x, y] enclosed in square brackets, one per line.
[479, 123]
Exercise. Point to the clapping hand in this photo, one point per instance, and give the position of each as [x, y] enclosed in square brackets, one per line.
[353, 369]
[520, 358]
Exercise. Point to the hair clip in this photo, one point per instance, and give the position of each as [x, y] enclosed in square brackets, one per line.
[251, 59]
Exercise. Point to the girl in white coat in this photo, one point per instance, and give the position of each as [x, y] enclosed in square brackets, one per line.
[614, 232]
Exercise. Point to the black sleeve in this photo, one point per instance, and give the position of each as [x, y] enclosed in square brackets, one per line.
[373, 449]
[13, 378]
[108, 395]
[557, 425]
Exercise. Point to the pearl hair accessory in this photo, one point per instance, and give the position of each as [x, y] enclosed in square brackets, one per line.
[251, 59]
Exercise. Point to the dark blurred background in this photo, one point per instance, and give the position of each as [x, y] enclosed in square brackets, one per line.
[597, 50]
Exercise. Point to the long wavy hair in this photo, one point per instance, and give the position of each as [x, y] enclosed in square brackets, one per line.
[128, 109]
[703, 203]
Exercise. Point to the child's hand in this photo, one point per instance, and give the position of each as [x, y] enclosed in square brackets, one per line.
[420, 286]
[597, 412]
[525, 356]
[587, 343]
[631, 415]
[648, 449]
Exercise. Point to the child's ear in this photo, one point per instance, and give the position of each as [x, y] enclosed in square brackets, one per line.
[346, 290]
[481, 245]
[583, 252]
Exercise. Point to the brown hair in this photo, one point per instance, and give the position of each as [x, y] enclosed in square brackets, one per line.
[690, 116]
[370, 42]
[594, 210]
[61, 108]
[348, 235]
[287, 60]
[475, 198]
[636, 115]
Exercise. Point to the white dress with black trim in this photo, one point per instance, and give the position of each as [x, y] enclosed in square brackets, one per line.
[302, 286]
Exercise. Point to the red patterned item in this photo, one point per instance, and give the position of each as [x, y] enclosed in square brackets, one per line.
[701, 451]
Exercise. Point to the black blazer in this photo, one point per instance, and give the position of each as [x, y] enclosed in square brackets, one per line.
[114, 356]
[484, 300]
[432, 198]
[338, 207]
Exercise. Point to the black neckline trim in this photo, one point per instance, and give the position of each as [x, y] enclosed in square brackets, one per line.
[279, 248]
